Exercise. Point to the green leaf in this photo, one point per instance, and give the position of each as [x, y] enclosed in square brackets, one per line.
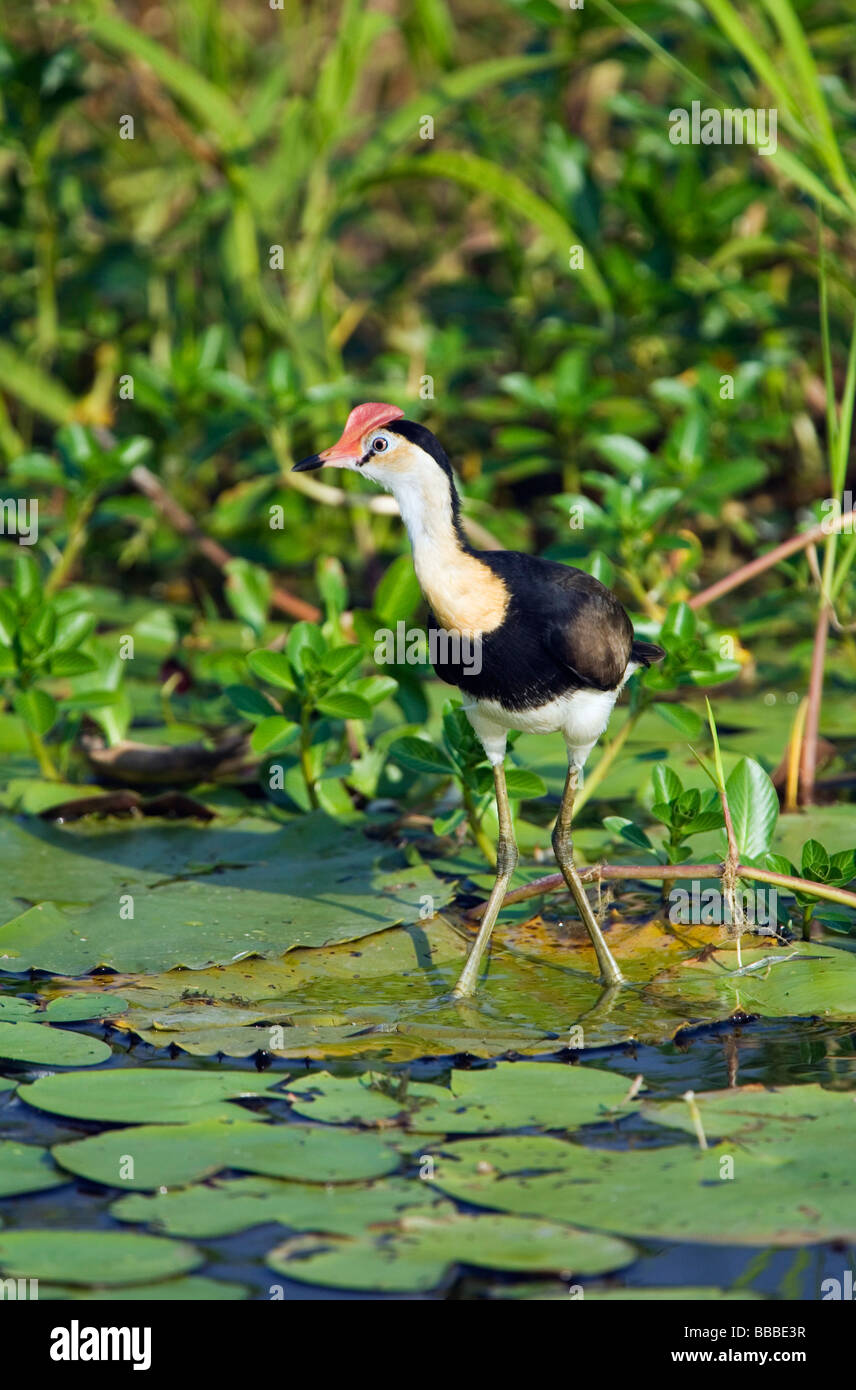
[754, 807]
[397, 595]
[680, 717]
[71, 664]
[51, 1047]
[815, 861]
[273, 734]
[249, 702]
[634, 834]
[418, 755]
[375, 689]
[172, 1155]
[212, 107]
[524, 785]
[781, 865]
[93, 1257]
[483, 176]
[626, 453]
[667, 784]
[304, 640]
[272, 667]
[26, 580]
[344, 705]
[72, 629]
[340, 660]
[37, 709]
[248, 592]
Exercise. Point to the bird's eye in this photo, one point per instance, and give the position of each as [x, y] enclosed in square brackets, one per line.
[380, 445]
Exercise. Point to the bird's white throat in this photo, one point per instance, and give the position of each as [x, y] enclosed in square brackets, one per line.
[464, 594]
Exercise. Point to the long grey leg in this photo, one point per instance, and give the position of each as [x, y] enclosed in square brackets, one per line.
[506, 862]
[564, 851]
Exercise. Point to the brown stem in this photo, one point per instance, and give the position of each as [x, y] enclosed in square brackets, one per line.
[181, 521]
[808, 762]
[825, 528]
[551, 882]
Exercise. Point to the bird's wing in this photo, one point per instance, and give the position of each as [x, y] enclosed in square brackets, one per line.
[588, 631]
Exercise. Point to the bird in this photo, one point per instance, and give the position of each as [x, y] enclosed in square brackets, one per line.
[554, 645]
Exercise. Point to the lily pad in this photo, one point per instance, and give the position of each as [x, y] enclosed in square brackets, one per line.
[154, 1156]
[198, 896]
[543, 1094]
[153, 1095]
[52, 1047]
[800, 980]
[13, 1009]
[420, 1251]
[225, 1207]
[194, 1289]
[797, 1196]
[759, 1114]
[93, 1257]
[77, 1008]
[26, 1168]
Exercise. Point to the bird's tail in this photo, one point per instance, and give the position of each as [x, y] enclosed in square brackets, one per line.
[646, 652]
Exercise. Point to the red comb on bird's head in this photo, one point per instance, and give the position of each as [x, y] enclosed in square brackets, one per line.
[361, 419]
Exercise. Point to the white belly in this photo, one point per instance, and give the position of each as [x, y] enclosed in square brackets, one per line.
[580, 716]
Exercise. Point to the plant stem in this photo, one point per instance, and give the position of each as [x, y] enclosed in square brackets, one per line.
[551, 882]
[477, 829]
[43, 757]
[306, 756]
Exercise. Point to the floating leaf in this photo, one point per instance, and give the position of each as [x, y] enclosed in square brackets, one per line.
[172, 1155]
[154, 1095]
[93, 1257]
[681, 1193]
[419, 1251]
[52, 1047]
[225, 1207]
[199, 897]
[26, 1168]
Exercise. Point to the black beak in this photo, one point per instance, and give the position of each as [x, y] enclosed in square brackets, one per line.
[307, 465]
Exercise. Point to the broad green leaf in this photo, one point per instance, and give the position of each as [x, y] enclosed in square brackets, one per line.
[272, 667]
[754, 807]
[93, 1257]
[418, 755]
[344, 705]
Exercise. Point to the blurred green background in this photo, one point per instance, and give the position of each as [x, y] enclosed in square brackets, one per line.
[431, 272]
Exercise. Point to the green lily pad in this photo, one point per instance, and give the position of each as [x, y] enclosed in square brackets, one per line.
[173, 1155]
[512, 1096]
[558, 1293]
[801, 1195]
[800, 980]
[93, 1257]
[26, 1168]
[225, 1207]
[152, 1095]
[194, 1289]
[77, 1008]
[199, 896]
[758, 1114]
[420, 1251]
[52, 1047]
[13, 1009]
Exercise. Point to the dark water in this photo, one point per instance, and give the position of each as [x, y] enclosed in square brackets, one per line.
[781, 1052]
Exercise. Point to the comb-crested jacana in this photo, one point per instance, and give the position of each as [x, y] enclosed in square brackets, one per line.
[555, 646]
